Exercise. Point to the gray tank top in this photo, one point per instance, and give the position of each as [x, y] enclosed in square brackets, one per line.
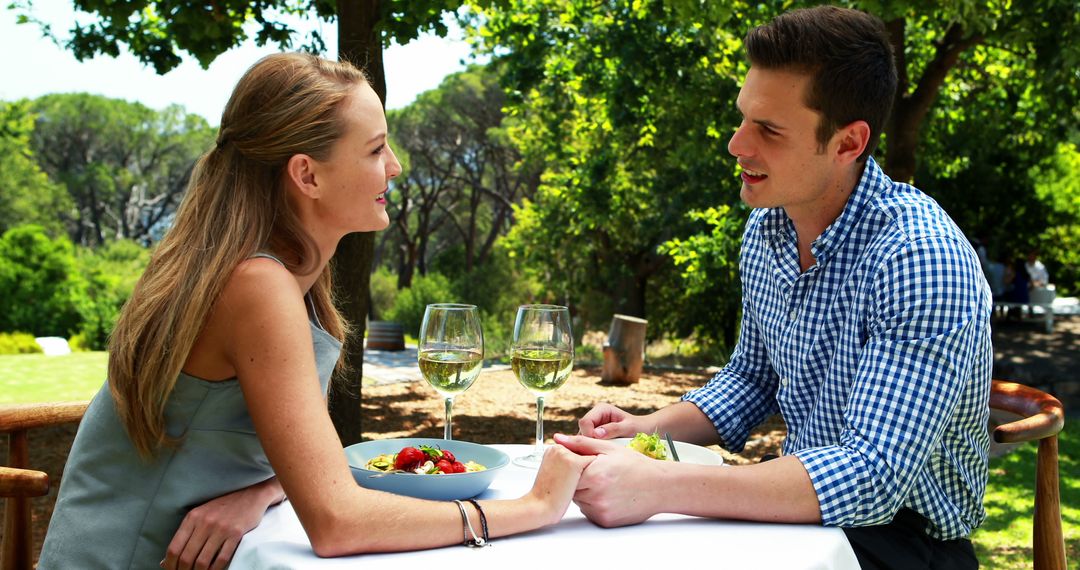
[115, 510]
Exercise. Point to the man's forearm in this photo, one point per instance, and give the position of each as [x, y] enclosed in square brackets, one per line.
[774, 491]
[684, 421]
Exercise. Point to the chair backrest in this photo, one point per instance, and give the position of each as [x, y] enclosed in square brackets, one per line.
[18, 483]
[1042, 417]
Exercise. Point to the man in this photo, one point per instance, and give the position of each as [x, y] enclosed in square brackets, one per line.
[1036, 270]
[865, 324]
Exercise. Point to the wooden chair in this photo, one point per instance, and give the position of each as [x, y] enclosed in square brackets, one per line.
[1043, 416]
[18, 483]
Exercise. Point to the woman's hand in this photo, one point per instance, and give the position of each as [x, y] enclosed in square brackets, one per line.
[557, 480]
[210, 533]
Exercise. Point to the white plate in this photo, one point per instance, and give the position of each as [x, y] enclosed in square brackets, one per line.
[688, 452]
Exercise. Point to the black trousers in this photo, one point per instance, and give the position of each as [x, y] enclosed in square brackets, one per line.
[903, 544]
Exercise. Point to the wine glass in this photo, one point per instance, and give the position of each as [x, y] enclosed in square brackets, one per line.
[542, 355]
[451, 351]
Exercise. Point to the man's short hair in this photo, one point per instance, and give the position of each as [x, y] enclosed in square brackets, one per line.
[848, 56]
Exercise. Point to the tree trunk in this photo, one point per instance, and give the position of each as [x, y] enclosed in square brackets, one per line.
[624, 351]
[911, 107]
[359, 44]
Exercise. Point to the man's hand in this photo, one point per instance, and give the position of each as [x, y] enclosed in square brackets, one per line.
[606, 421]
[209, 534]
[619, 487]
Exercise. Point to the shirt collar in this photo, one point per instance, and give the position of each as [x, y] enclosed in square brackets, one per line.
[871, 184]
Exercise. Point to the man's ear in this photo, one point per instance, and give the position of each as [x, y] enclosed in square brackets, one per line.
[853, 139]
[300, 170]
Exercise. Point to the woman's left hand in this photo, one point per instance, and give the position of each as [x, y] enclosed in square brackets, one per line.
[210, 533]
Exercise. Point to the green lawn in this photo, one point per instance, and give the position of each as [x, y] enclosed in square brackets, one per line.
[26, 378]
[1003, 541]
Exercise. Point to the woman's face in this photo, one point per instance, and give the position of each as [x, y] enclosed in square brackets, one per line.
[358, 171]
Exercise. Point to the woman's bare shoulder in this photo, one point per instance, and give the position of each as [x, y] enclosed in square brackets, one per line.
[260, 280]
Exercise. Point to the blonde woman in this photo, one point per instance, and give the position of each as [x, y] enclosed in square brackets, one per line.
[218, 367]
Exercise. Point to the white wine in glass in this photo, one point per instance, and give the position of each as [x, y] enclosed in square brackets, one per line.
[542, 356]
[451, 352]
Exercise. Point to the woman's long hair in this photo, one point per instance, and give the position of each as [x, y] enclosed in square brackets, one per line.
[236, 205]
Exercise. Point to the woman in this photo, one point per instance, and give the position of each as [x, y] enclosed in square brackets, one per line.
[231, 332]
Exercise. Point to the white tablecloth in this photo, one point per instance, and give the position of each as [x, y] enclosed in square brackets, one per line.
[664, 541]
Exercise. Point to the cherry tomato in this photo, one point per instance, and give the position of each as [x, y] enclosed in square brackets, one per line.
[458, 467]
[444, 466]
[447, 455]
[409, 458]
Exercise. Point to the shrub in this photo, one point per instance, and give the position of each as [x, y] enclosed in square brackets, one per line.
[111, 272]
[383, 292]
[40, 287]
[18, 343]
[408, 307]
[78, 343]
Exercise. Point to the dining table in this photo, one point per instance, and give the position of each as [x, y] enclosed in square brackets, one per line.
[663, 541]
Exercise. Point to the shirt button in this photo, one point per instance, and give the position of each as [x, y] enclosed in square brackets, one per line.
[784, 382]
[793, 314]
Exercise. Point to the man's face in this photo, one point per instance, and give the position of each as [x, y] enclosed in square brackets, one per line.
[776, 144]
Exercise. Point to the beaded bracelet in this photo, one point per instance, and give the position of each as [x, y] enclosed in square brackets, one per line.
[467, 529]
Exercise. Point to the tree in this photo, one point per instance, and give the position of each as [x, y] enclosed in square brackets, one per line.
[125, 165]
[157, 31]
[27, 196]
[630, 104]
[463, 174]
[932, 39]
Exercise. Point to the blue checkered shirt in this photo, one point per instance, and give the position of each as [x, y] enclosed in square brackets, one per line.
[878, 357]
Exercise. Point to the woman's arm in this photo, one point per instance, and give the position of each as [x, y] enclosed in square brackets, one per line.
[271, 350]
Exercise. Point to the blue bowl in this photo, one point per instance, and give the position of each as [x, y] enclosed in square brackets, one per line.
[434, 487]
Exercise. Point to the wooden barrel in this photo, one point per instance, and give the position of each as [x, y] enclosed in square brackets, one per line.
[385, 335]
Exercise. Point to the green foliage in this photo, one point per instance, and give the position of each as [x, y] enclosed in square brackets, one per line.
[26, 194]
[158, 31]
[40, 286]
[79, 343]
[383, 288]
[1057, 184]
[629, 105]
[50, 289]
[710, 278]
[626, 103]
[408, 307]
[111, 272]
[18, 343]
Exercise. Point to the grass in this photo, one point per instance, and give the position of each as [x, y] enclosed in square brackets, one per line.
[1003, 541]
[28, 378]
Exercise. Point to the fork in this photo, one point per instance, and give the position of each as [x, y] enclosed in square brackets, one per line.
[671, 446]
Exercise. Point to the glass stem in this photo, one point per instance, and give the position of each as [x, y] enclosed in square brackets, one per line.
[539, 425]
[449, 417]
